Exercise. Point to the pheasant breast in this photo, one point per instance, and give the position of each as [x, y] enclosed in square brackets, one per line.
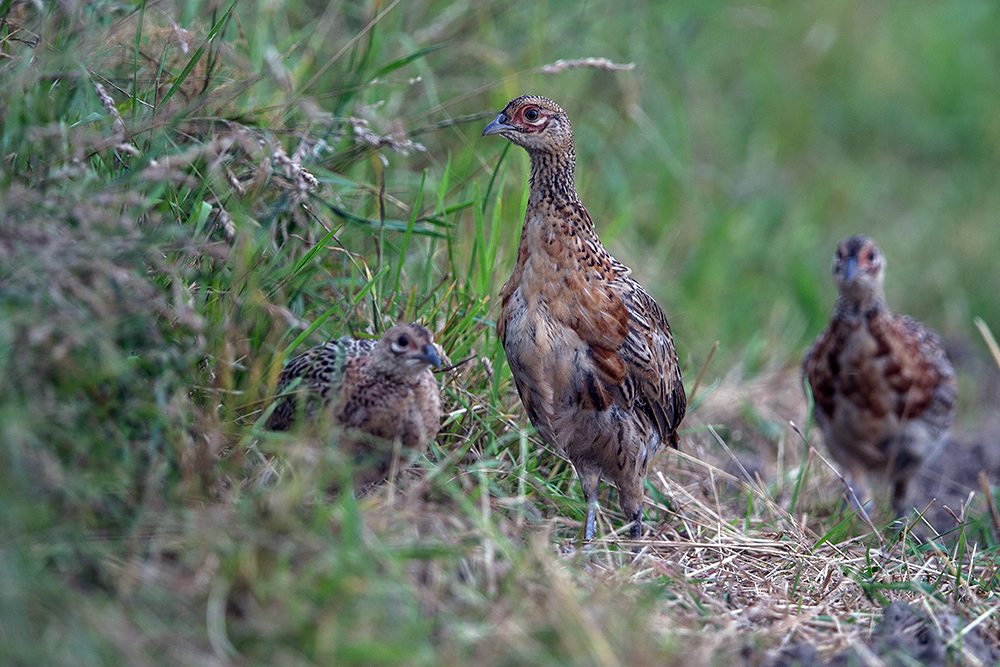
[884, 390]
[591, 353]
[380, 392]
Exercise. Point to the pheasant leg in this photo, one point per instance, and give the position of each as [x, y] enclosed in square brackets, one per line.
[590, 481]
[635, 530]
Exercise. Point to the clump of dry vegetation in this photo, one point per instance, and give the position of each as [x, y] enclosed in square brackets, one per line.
[191, 194]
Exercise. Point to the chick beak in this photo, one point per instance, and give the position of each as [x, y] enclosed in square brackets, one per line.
[850, 268]
[430, 355]
[498, 125]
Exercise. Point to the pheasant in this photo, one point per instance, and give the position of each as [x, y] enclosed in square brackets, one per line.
[590, 351]
[381, 391]
[884, 391]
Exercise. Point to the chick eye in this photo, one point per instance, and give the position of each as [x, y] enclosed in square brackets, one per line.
[403, 341]
[531, 114]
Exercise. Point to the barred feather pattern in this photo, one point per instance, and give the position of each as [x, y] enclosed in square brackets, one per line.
[884, 391]
[381, 392]
[590, 351]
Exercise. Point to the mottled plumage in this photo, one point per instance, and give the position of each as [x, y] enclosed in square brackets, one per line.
[883, 388]
[590, 351]
[380, 391]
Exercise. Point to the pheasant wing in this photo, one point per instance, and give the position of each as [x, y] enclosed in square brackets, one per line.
[628, 335]
[654, 377]
[920, 374]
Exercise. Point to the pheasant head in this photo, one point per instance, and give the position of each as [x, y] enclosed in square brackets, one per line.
[858, 272]
[542, 128]
[404, 352]
[536, 124]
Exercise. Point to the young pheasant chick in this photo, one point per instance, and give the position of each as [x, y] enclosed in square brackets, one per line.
[380, 391]
[590, 351]
[883, 388]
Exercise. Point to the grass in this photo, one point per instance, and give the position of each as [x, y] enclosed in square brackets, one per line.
[190, 195]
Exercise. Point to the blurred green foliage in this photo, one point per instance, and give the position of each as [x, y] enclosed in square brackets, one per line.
[751, 137]
[146, 302]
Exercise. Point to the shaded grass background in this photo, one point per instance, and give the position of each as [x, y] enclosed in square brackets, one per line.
[245, 179]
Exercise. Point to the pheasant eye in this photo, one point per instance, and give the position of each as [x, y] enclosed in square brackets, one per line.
[871, 255]
[531, 115]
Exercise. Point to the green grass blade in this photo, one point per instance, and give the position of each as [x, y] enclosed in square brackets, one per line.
[135, 58]
[406, 60]
[409, 230]
[182, 77]
[496, 171]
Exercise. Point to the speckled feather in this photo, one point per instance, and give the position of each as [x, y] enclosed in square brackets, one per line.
[380, 391]
[884, 390]
[590, 351]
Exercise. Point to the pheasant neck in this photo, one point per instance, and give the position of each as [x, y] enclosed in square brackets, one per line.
[552, 177]
[855, 306]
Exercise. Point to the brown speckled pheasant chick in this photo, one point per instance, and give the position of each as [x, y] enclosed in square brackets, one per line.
[379, 391]
[883, 388]
[590, 351]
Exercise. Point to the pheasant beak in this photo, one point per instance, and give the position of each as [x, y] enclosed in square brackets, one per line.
[430, 355]
[498, 125]
[850, 268]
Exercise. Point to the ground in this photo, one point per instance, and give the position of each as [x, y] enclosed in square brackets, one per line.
[192, 193]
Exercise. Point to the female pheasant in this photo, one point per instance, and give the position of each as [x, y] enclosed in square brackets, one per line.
[884, 391]
[379, 391]
[590, 351]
